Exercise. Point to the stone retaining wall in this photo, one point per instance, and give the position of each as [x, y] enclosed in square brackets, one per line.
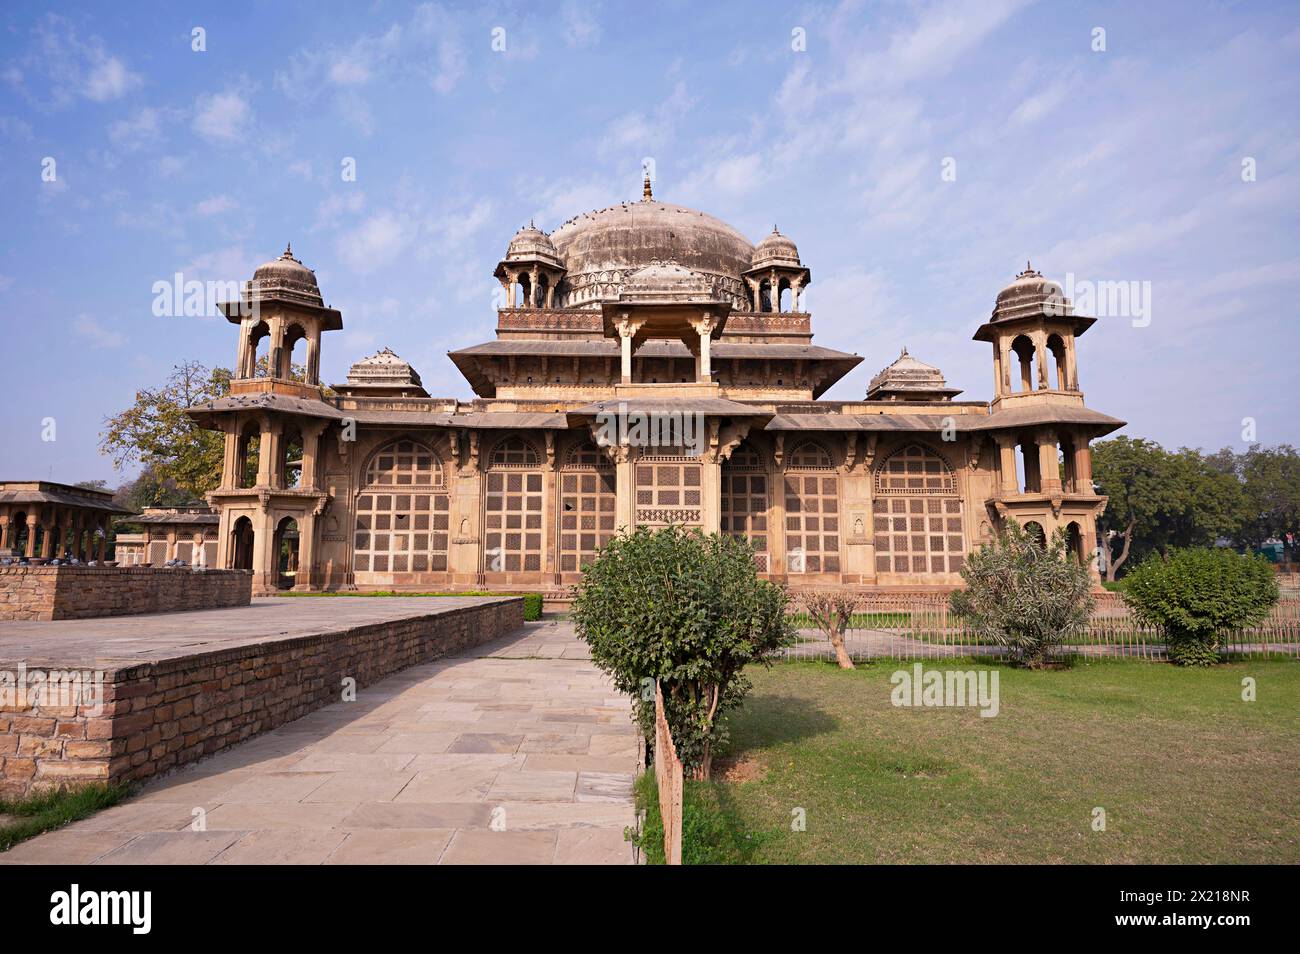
[157, 716]
[82, 592]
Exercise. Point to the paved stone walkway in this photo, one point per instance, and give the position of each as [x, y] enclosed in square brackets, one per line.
[518, 752]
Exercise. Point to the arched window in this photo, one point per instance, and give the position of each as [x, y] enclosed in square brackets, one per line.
[404, 464]
[249, 446]
[241, 545]
[744, 501]
[402, 513]
[295, 352]
[1057, 378]
[812, 511]
[587, 506]
[513, 509]
[285, 554]
[917, 518]
[1074, 542]
[1024, 349]
[514, 452]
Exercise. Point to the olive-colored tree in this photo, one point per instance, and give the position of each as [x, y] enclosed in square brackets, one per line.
[832, 611]
[686, 609]
[1025, 593]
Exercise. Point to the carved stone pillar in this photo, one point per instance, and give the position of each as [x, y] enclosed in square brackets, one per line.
[1049, 467]
[1007, 483]
[32, 521]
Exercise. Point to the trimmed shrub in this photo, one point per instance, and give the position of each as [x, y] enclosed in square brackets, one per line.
[686, 609]
[532, 606]
[1025, 593]
[1198, 596]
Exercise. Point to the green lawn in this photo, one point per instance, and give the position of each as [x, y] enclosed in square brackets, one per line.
[1185, 770]
[25, 818]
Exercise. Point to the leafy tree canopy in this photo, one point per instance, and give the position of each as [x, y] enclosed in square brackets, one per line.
[686, 609]
[156, 432]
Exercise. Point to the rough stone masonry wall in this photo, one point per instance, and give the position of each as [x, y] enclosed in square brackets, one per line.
[162, 715]
[82, 592]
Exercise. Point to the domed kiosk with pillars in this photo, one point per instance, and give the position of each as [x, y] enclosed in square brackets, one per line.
[650, 366]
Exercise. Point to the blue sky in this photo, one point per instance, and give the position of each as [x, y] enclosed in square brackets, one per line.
[1117, 165]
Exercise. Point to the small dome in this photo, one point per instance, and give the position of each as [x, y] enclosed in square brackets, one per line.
[1030, 294]
[384, 370]
[286, 278]
[531, 243]
[665, 281]
[776, 249]
[909, 379]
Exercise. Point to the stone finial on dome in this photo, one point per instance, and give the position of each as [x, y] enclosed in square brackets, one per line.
[647, 193]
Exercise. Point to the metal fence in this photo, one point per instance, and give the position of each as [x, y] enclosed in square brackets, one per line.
[920, 626]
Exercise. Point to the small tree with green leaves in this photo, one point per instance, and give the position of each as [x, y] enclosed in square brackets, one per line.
[1198, 596]
[686, 609]
[832, 611]
[1025, 593]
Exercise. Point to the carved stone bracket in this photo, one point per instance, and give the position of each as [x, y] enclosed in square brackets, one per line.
[473, 451]
[724, 442]
[869, 451]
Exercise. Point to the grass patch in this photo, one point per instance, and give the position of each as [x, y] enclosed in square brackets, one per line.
[1186, 771]
[532, 601]
[712, 833]
[25, 818]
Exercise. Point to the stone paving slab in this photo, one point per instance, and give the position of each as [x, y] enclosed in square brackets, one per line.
[517, 752]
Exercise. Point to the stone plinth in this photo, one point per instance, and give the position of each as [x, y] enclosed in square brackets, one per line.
[84, 592]
[162, 692]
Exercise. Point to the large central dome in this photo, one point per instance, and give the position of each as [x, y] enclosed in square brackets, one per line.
[599, 249]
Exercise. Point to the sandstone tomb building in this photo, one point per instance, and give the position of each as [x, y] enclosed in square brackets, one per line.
[623, 325]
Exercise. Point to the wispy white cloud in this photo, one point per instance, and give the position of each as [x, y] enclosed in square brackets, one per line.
[96, 332]
[215, 205]
[376, 242]
[426, 46]
[63, 64]
[223, 117]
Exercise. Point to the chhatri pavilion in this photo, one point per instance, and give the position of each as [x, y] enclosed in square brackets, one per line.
[651, 366]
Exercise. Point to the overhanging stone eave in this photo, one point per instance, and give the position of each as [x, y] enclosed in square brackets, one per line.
[989, 330]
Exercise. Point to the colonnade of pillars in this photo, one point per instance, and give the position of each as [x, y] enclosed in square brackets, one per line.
[1042, 451]
[536, 284]
[284, 333]
[1030, 350]
[628, 328]
[773, 283]
[51, 531]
